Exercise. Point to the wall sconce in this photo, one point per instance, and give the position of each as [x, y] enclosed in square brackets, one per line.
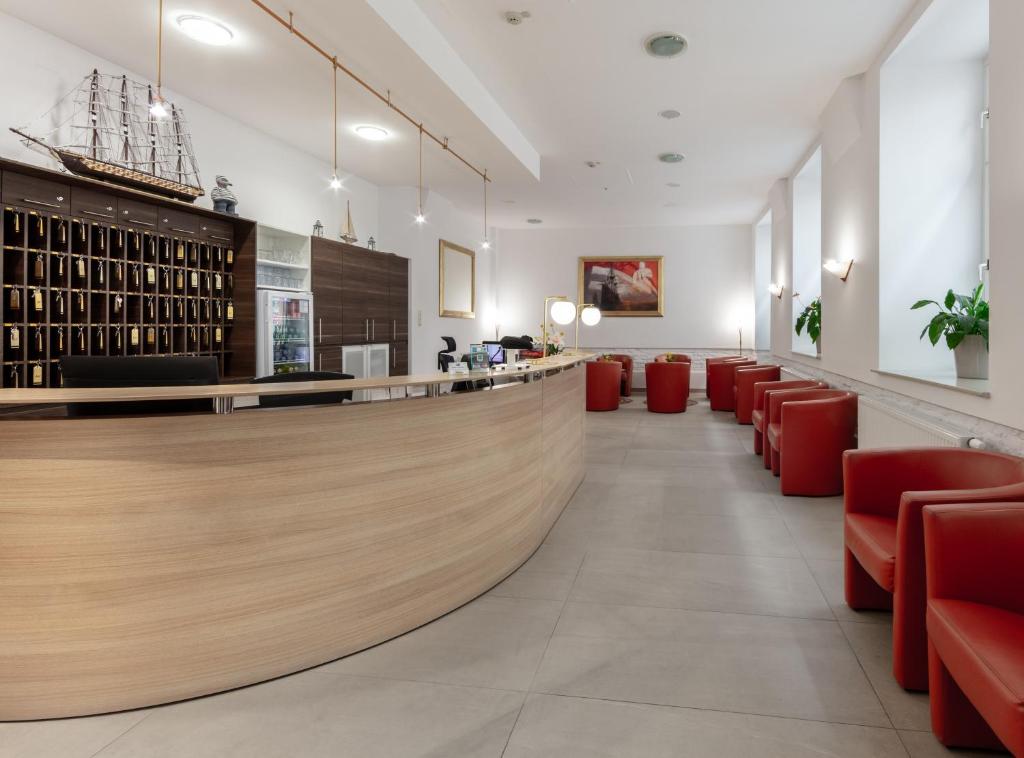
[589, 315]
[839, 268]
[776, 289]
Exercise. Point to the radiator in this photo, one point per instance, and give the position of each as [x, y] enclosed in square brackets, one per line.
[880, 425]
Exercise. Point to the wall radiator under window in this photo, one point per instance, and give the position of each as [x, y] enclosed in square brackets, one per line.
[881, 425]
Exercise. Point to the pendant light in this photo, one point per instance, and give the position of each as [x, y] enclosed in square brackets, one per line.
[335, 181]
[420, 218]
[487, 242]
[158, 106]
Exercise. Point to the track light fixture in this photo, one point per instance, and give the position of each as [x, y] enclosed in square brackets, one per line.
[157, 104]
[335, 181]
[420, 218]
[487, 242]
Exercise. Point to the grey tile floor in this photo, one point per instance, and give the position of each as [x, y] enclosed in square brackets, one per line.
[680, 607]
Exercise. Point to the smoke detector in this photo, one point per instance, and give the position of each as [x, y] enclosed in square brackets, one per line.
[669, 114]
[671, 157]
[515, 18]
[666, 45]
[592, 164]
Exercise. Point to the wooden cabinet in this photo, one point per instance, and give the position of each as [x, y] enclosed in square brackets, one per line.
[398, 298]
[327, 279]
[364, 296]
[328, 358]
[399, 358]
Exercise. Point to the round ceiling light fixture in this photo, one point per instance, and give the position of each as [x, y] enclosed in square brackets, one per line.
[370, 132]
[671, 157]
[535, 221]
[670, 114]
[666, 45]
[204, 29]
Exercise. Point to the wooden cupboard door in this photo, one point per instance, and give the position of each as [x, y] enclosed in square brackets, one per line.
[363, 297]
[399, 358]
[398, 298]
[328, 358]
[327, 293]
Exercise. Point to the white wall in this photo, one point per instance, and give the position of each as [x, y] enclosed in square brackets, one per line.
[850, 212]
[762, 280]
[931, 201]
[708, 275]
[402, 235]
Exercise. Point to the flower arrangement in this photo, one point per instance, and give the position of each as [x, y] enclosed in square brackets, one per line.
[556, 342]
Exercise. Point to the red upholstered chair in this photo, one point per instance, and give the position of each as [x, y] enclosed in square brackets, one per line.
[603, 379]
[672, 358]
[885, 491]
[721, 380]
[626, 382]
[668, 386]
[709, 362]
[809, 430]
[975, 571]
[746, 378]
[762, 390]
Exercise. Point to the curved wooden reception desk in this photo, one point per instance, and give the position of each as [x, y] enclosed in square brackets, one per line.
[151, 559]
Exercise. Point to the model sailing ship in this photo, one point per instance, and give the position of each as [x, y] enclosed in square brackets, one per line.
[111, 133]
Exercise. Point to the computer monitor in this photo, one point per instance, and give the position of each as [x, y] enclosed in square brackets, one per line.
[495, 353]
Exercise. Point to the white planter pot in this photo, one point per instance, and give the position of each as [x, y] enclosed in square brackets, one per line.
[971, 358]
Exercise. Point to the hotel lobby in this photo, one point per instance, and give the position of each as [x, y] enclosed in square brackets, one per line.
[440, 378]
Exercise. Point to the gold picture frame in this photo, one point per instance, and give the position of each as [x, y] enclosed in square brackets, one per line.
[613, 284]
[452, 285]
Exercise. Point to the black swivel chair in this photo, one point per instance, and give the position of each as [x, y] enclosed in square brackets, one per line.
[445, 357]
[88, 371]
[313, 398]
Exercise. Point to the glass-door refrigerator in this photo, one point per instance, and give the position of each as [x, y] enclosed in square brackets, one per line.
[284, 332]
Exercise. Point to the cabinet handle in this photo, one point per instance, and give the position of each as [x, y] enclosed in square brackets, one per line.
[394, 357]
[394, 329]
[320, 330]
[40, 202]
[217, 237]
[140, 223]
[366, 329]
[320, 365]
[181, 231]
[373, 334]
[97, 213]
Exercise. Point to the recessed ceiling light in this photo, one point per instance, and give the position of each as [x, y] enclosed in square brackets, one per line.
[535, 221]
[203, 29]
[669, 114]
[370, 132]
[671, 157]
[673, 184]
[666, 45]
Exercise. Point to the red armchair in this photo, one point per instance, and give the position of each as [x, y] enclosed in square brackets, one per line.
[885, 492]
[746, 378]
[668, 386]
[672, 358]
[808, 431]
[603, 385]
[762, 391]
[709, 362]
[721, 383]
[626, 382]
[975, 571]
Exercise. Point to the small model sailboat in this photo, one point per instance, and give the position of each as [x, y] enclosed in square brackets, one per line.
[111, 134]
[348, 232]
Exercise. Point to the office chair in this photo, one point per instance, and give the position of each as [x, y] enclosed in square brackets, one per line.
[445, 357]
[312, 398]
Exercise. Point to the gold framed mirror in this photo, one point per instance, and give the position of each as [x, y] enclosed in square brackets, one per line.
[457, 278]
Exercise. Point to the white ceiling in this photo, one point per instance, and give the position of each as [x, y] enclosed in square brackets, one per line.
[573, 78]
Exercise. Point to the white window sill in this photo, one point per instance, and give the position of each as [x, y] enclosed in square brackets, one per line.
[976, 387]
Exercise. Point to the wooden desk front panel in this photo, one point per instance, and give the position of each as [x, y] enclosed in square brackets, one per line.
[154, 559]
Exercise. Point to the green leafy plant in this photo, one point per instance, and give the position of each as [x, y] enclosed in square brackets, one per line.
[811, 318]
[959, 316]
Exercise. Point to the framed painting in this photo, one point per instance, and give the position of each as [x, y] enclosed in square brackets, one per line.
[623, 286]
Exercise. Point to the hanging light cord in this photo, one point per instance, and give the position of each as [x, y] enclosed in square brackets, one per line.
[419, 197]
[334, 70]
[160, 47]
[485, 206]
[288, 23]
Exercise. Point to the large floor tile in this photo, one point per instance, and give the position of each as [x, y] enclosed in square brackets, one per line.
[698, 533]
[732, 460]
[752, 664]
[872, 644]
[566, 727]
[700, 581]
[818, 539]
[492, 642]
[825, 508]
[829, 575]
[66, 738]
[924, 745]
[684, 438]
[315, 714]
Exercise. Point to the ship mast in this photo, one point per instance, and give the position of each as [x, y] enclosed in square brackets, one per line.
[180, 166]
[152, 132]
[94, 98]
[126, 123]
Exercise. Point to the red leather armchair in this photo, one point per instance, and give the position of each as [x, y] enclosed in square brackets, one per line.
[975, 571]
[603, 379]
[709, 362]
[746, 378]
[672, 358]
[626, 381]
[668, 386]
[721, 383]
[885, 492]
[809, 430]
[762, 390]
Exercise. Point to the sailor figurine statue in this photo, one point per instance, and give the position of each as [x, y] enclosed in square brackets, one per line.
[224, 200]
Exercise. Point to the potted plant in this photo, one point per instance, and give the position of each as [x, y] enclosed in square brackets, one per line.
[811, 318]
[963, 320]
